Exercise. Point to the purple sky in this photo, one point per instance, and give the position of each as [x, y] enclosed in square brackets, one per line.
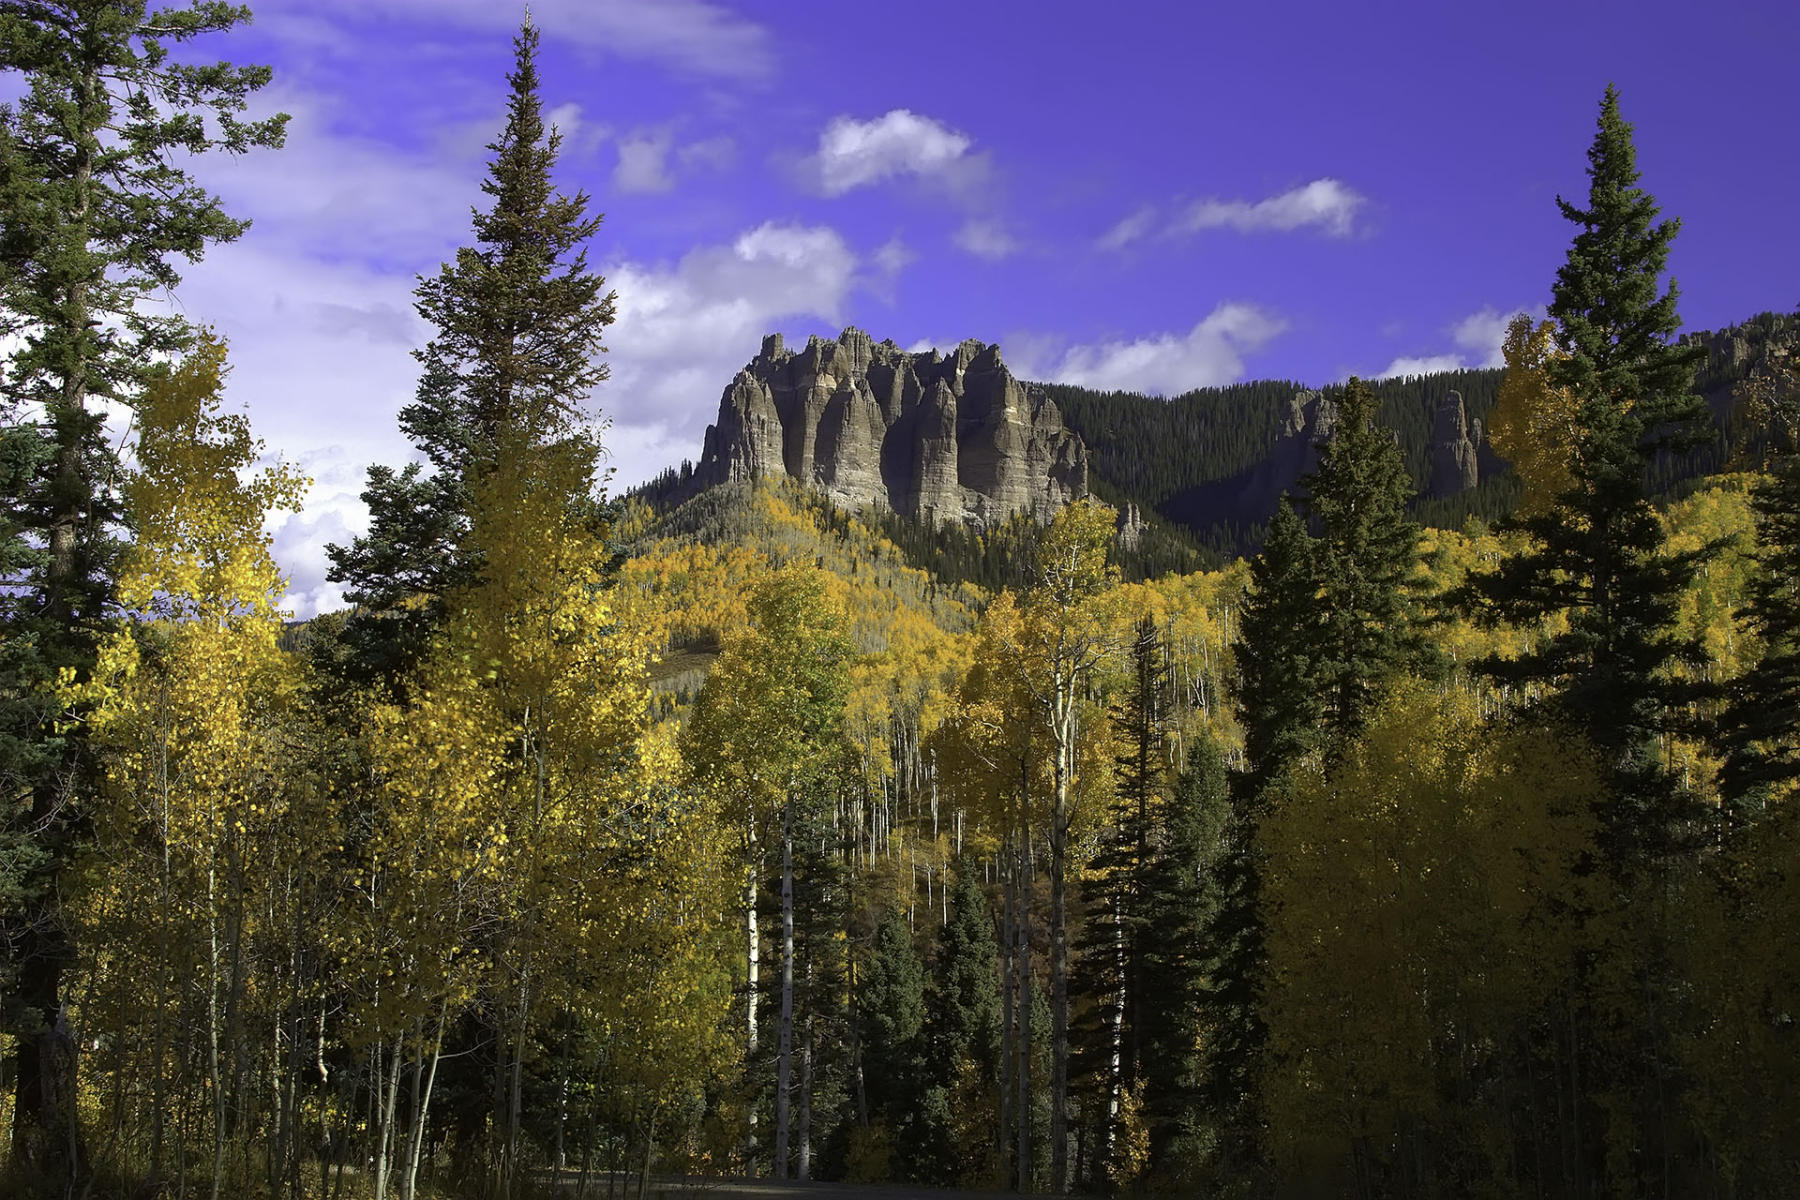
[1147, 195]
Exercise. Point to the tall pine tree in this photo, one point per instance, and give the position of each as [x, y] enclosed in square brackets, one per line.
[94, 208]
[518, 318]
[1330, 620]
[1597, 553]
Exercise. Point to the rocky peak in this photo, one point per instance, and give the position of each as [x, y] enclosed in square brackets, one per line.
[941, 438]
[1455, 465]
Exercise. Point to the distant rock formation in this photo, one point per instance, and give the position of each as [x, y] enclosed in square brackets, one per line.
[935, 437]
[1247, 498]
[1455, 446]
[1131, 526]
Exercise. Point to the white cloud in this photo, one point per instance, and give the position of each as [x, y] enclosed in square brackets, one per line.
[648, 158]
[1324, 203]
[986, 239]
[345, 196]
[1483, 335]
[1208, 355]
[894, 256]
[1479, 336]
[854, 153]
[1403, 366]
[684, 329]
[566, 120]
[694, 36]
[643, 164]
[714, 153]
[1128, 230]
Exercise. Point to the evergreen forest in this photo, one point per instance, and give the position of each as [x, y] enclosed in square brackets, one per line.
[1367, 847]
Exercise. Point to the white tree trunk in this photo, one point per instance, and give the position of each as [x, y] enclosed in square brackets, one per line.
[784, 1044]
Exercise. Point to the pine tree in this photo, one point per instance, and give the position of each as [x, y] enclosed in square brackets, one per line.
[890, 1017]
[1283, 673]
[1281, 689]
[1182, 903]
[518, 320]
[1597, 553]
[962, 1040]
[93, 209]
[1368, 550]
[1109, 971]
[1329, 624]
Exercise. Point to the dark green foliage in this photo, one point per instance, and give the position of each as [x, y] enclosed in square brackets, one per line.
[1182, 906]
[962, 1034]
[1282, 670]
[1367, 553]
[1598, 553]
[890, 1021]
[518, 319]
[94, 208]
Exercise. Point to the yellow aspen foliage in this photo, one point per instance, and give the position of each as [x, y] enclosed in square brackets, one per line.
[1420, 902]
[1534, 425]
[199, 826]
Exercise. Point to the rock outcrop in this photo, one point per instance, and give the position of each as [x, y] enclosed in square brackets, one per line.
[936, 437]
[1455, 446]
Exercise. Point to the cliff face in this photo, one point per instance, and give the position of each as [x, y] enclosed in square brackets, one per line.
[1455, 446]
[940, 438]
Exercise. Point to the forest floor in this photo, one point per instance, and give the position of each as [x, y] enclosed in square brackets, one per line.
[695, 1187]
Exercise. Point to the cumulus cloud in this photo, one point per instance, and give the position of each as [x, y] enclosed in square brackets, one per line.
[648, 160]
[1483, 335]
[697, 37]
[643, 164]
[986, 239]
[1478, 337]
[1208, 355]
[855, 154]
[1324, 203]
[1129, 230]
[685, 328]
[894, 256]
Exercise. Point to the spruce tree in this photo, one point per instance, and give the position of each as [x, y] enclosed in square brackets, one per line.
[518, 319]
[1329, 621]
[962, 1035]
[1598, 553]
[890, 1015]
[95, 206]
[1283, 673]
[1182, 902]
[1368, 551]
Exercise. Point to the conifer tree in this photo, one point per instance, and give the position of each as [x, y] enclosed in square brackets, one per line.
[1182, 903]
[1329, 623]
[890, 1016]
[1597, 552]
[518, 318]
[1109, 971]
[1368, 549]
[962, 1039]
[94, 207]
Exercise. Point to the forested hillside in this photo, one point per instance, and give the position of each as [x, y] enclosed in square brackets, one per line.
[593, 845]
[1193, 459]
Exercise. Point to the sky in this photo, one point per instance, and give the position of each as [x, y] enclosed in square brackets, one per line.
[1146, 195]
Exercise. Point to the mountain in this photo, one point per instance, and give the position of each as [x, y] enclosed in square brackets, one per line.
[951, 453]
[937, 438]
